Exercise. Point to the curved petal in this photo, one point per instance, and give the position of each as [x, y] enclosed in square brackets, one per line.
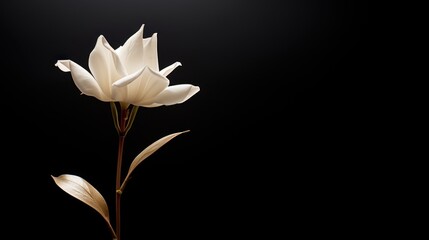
[147, 87]
[83, 80]
[103, 67]
[128, 79]
[120, 68]
[131, 53]
[172, 95]
[63, 65]
[150, 56]
[120, 91]
[167, 70]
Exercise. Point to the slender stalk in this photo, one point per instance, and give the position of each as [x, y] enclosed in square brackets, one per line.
[122, 133]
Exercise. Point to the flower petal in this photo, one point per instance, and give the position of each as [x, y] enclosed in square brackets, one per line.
[146, 86]
[63, 65]
[169, 69]
[131, 53]
[83, 80]
[103, 67]
[172, 95]
[120, 68]
[128, 79]
[120, 91]
[150, 56]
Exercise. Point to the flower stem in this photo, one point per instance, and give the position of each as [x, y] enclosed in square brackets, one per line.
[122, 133]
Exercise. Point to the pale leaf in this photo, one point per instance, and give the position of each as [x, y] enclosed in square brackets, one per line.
[148, 151]
[84, 191]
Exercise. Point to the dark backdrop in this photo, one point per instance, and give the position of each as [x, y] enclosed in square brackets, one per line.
[273, 130]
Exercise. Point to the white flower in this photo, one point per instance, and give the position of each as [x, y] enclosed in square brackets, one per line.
[129, 74]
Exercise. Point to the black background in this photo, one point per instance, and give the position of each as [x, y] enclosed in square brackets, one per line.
[273, 133]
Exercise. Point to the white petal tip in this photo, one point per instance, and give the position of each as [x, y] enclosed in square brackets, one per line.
[63, 65]
[195, 89]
